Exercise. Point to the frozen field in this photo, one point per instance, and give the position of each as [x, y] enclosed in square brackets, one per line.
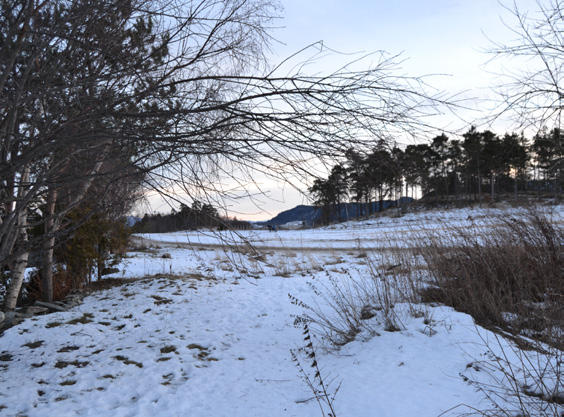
[384, 231]
[210, 331]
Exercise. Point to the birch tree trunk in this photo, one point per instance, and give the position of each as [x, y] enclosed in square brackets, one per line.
[20, 264]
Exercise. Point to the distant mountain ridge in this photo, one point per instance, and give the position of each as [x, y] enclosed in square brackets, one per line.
[310, 214]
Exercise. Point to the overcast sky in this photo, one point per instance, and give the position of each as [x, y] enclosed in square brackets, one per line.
[443, 37]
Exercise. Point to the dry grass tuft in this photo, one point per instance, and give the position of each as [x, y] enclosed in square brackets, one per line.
[353, 302]
[507, 275]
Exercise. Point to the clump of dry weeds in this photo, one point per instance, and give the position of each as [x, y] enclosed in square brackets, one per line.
[508, 273]
[354, 301]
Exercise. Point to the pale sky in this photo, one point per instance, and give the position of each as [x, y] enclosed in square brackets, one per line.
[443, 37]
[435, 36]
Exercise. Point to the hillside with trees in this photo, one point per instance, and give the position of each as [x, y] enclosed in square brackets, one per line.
[481, 167]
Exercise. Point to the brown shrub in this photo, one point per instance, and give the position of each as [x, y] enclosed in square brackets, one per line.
[507, 274]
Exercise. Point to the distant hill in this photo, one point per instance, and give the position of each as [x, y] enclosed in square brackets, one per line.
[299, 213]
[309, 214]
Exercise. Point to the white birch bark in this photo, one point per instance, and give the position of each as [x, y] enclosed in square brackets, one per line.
[20, 264]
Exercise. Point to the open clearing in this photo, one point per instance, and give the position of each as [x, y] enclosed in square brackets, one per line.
[210, 331]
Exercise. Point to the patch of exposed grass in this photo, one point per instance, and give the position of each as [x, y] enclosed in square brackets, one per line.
[128, 361]
[86, 318]
[38, 365]
[68, 349]
[168, 349]
[63, 364]
[53, 324]
[34, 345]
[168, 378]
[6, 357]
[195, 346]
[203, 355]
[160, 300]
[68, 382]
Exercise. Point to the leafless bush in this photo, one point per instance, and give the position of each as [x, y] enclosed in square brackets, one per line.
[507, 273]
[519, 380]
[353, 302]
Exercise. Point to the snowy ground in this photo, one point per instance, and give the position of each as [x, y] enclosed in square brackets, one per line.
[209, 332]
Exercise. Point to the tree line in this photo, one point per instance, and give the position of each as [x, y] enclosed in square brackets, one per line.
[196, 216]
[479, 167]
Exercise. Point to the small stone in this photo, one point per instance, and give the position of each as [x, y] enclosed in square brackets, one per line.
[166, 256]
[36, 310]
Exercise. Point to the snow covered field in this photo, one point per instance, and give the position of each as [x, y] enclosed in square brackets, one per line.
[375, 233]
[210, 331]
